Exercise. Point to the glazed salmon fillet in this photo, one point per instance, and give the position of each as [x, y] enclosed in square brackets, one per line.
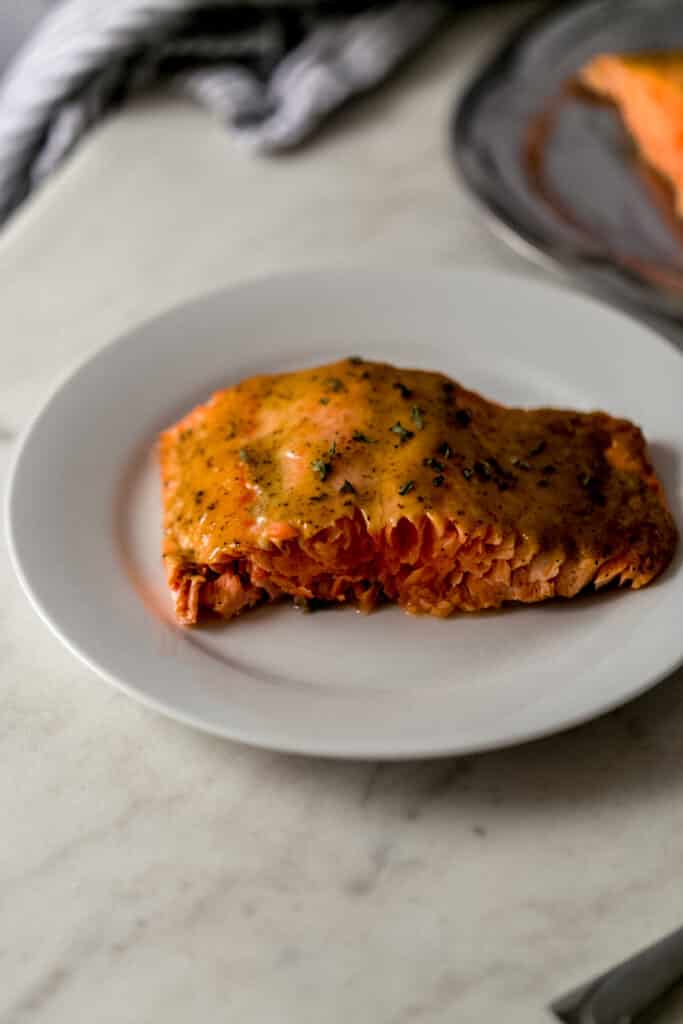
[648, 91]
[359, 482]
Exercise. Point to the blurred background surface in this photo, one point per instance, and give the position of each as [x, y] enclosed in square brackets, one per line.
[16, 21]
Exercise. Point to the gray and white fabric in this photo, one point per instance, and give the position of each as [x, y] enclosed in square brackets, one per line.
[273, 71]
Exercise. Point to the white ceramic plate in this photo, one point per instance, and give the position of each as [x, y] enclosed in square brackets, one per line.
[84, 522]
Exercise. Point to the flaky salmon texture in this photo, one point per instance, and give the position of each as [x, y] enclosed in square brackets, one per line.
[359, 482]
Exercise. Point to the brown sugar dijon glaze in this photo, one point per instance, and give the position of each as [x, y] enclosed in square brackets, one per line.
[416, 475]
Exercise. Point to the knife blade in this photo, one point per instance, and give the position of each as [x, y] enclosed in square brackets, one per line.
[630, 988]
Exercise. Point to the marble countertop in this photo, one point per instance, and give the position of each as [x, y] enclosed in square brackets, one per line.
[149, 873]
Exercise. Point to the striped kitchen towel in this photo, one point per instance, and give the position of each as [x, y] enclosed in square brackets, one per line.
[273, 71]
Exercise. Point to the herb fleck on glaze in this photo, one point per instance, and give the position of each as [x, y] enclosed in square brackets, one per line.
[403, 434]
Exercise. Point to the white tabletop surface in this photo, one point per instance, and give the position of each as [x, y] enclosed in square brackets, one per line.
[149, 873]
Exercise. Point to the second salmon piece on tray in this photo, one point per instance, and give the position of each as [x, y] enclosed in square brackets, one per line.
[648, 91]
[361, 482]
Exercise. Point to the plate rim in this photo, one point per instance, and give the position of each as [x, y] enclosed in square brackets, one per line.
[375, 750]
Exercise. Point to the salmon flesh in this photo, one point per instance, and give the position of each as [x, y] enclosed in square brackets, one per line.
[359, 482]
